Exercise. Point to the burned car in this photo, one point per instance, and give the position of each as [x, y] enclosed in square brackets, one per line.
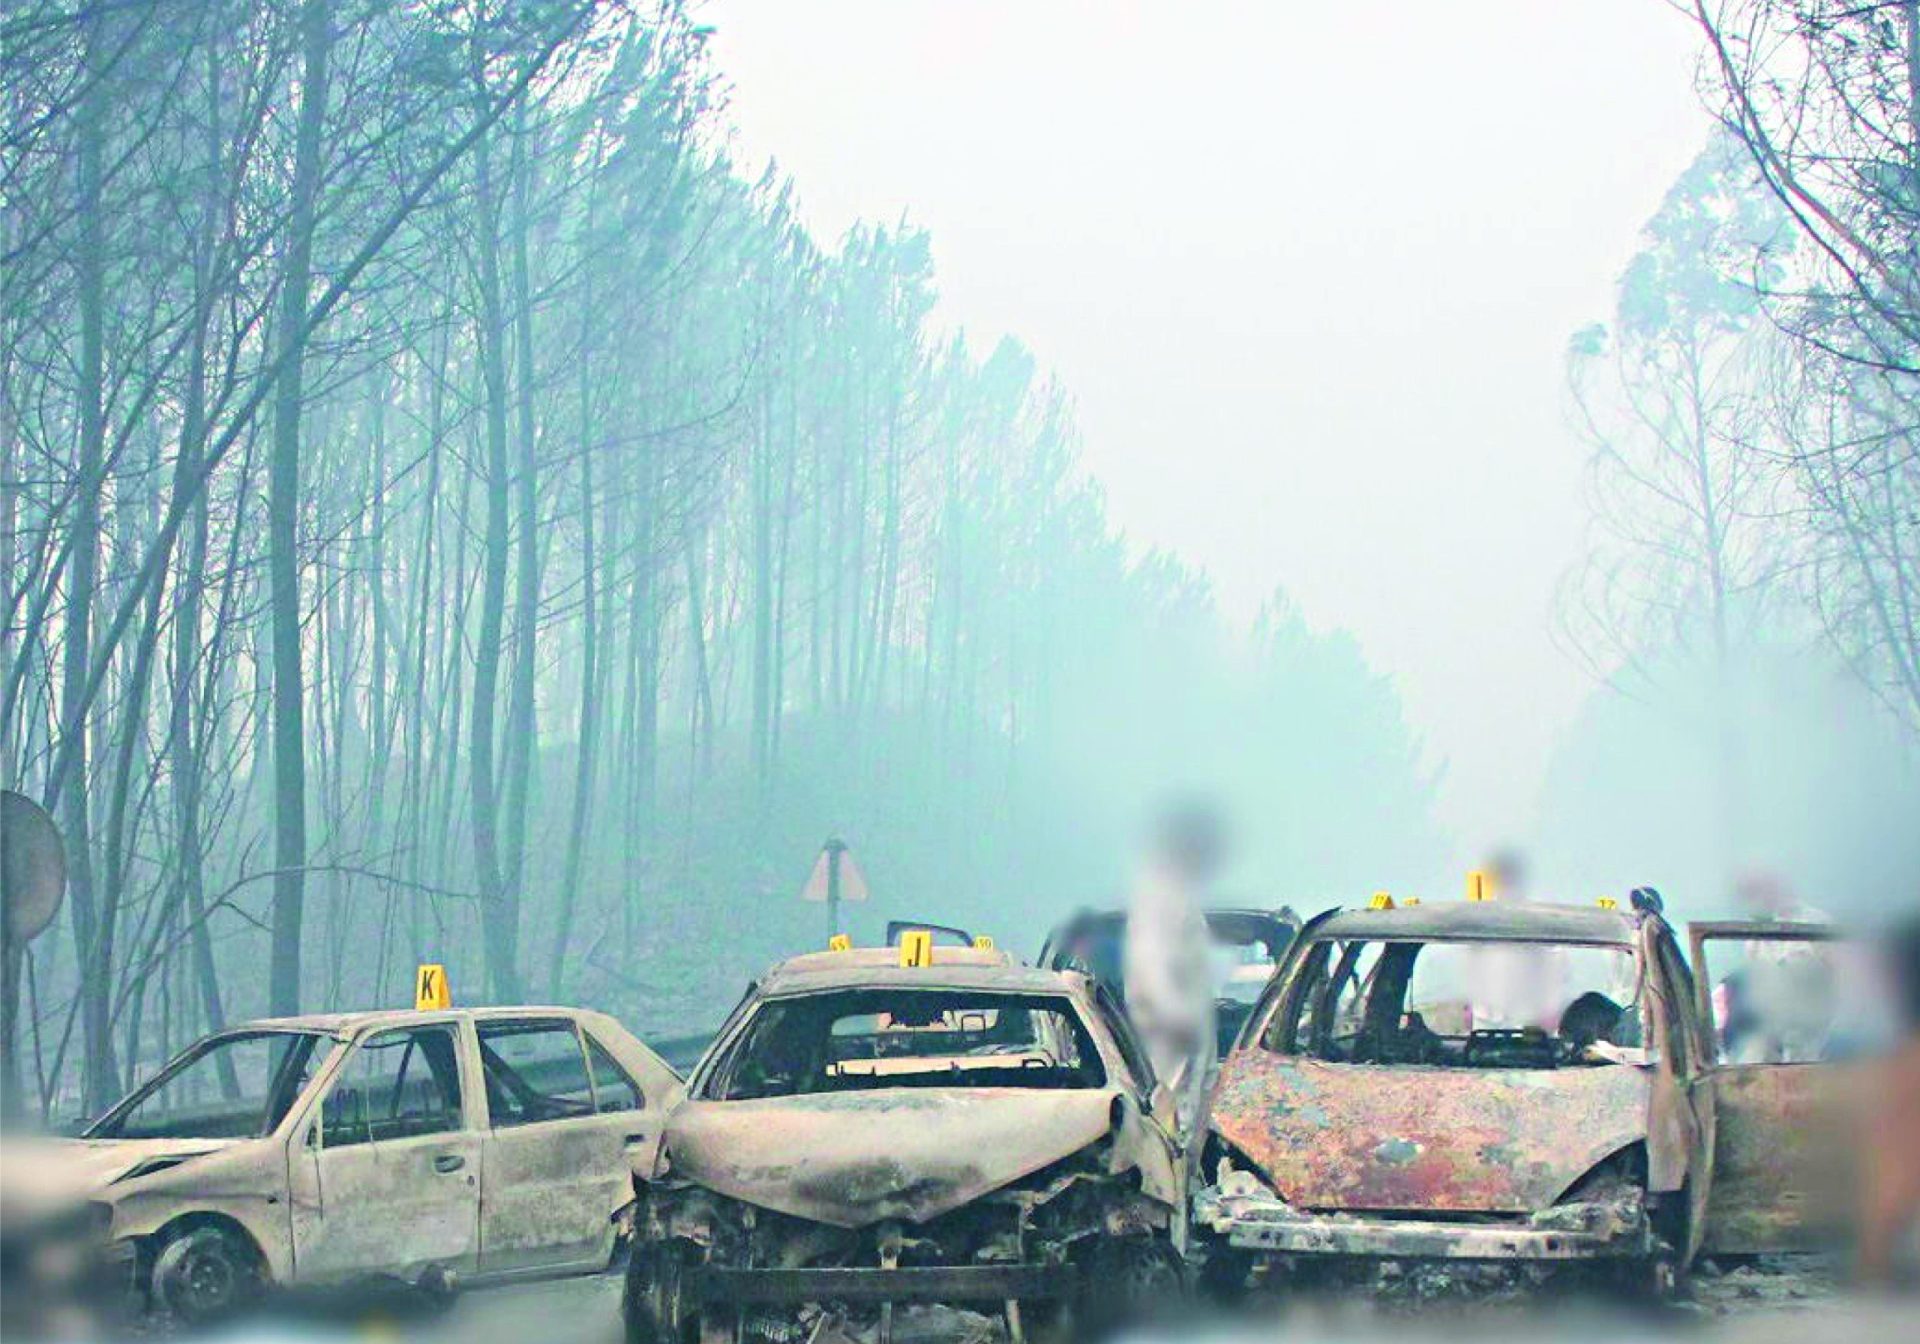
[1494, 1081]
[430, 1147]
[879, 1128]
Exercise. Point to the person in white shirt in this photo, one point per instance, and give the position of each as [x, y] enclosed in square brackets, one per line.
[1167, 963]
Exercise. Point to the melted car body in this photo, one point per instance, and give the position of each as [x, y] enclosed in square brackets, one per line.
[1490, 1081]
[430, 1147]
[866, 1133]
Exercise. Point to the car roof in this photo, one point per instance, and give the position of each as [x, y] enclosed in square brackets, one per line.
[880, 968]
[347, 1024]
[1495, 921]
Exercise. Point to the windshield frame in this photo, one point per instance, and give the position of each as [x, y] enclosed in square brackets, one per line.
[327, 1045]
[722, 1059]
[1279, 1020]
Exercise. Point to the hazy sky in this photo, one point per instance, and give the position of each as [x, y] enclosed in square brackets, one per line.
[1309, 271]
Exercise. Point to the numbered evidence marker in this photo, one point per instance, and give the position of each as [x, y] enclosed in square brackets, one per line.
[431, 990]
[916, 948]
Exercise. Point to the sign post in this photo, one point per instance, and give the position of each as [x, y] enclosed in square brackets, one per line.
[835, 878]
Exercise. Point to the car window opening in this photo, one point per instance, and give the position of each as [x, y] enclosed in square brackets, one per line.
[1463, 1004]
[866, 1040]
[237, 1086]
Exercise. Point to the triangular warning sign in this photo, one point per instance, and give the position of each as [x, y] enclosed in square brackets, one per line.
[816, 888]
[853, 883]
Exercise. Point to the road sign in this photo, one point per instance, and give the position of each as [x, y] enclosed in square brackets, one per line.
[853, 883]
[33, 867]
[33, 879]
[835, 878]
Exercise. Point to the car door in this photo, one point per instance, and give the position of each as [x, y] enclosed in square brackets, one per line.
[1775, 1086]
[1679, 1113]
[385, 1171]
[566, 1113]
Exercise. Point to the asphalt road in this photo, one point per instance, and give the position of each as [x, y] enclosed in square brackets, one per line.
[1787, 1302]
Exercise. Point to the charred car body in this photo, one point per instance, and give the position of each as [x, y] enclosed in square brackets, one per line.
[429, 1147]
[866, 1133]
[1494, 1081]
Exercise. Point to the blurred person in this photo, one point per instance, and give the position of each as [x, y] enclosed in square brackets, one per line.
[1167, 962]
[1767, 896]
[1786, 992]
[1508, 870]
[1890, 1210]
[1514, 986]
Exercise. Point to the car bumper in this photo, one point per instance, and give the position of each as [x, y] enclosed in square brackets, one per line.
[959, 1283]
[1599, 1230]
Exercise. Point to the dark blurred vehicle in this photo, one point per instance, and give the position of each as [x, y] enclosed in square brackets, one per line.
[1249, 945]
[1502, 1081]
[943, 935]
[874, 1129]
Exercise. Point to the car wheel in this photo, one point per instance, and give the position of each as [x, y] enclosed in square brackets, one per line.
[652, 1305]
[205, 1274]
[1223, 1275]
[1128, 1281]
[1653, 1281]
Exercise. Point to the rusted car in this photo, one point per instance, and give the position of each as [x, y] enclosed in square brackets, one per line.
[431, 1147]
[885, 1127]
[1500, 1081]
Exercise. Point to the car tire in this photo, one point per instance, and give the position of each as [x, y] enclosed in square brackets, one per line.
[1128, 1282]
[651, 1304]
[1223, 1275]
[1655, 1280]
[206, 1274]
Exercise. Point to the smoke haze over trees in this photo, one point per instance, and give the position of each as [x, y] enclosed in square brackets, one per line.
[452, 512]
[451, 509]
[1753, 591]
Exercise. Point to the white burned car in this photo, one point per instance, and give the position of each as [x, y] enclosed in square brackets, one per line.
[865, 1134]
[428, 1146]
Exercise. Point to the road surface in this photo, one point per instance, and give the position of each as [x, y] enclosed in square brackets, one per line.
[1786, 1302]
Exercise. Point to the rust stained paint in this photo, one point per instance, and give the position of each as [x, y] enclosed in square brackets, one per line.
[1341, 1136]
[1784, 1168]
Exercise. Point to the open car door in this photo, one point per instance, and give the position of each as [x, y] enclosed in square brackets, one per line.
[1776, 1089]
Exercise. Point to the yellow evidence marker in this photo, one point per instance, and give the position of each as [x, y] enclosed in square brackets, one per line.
[916, 948]
[840, 942]
[430, 989]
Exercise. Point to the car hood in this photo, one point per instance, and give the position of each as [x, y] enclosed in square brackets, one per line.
[851, 1159]
[1407, 1139]
[45, 1170]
